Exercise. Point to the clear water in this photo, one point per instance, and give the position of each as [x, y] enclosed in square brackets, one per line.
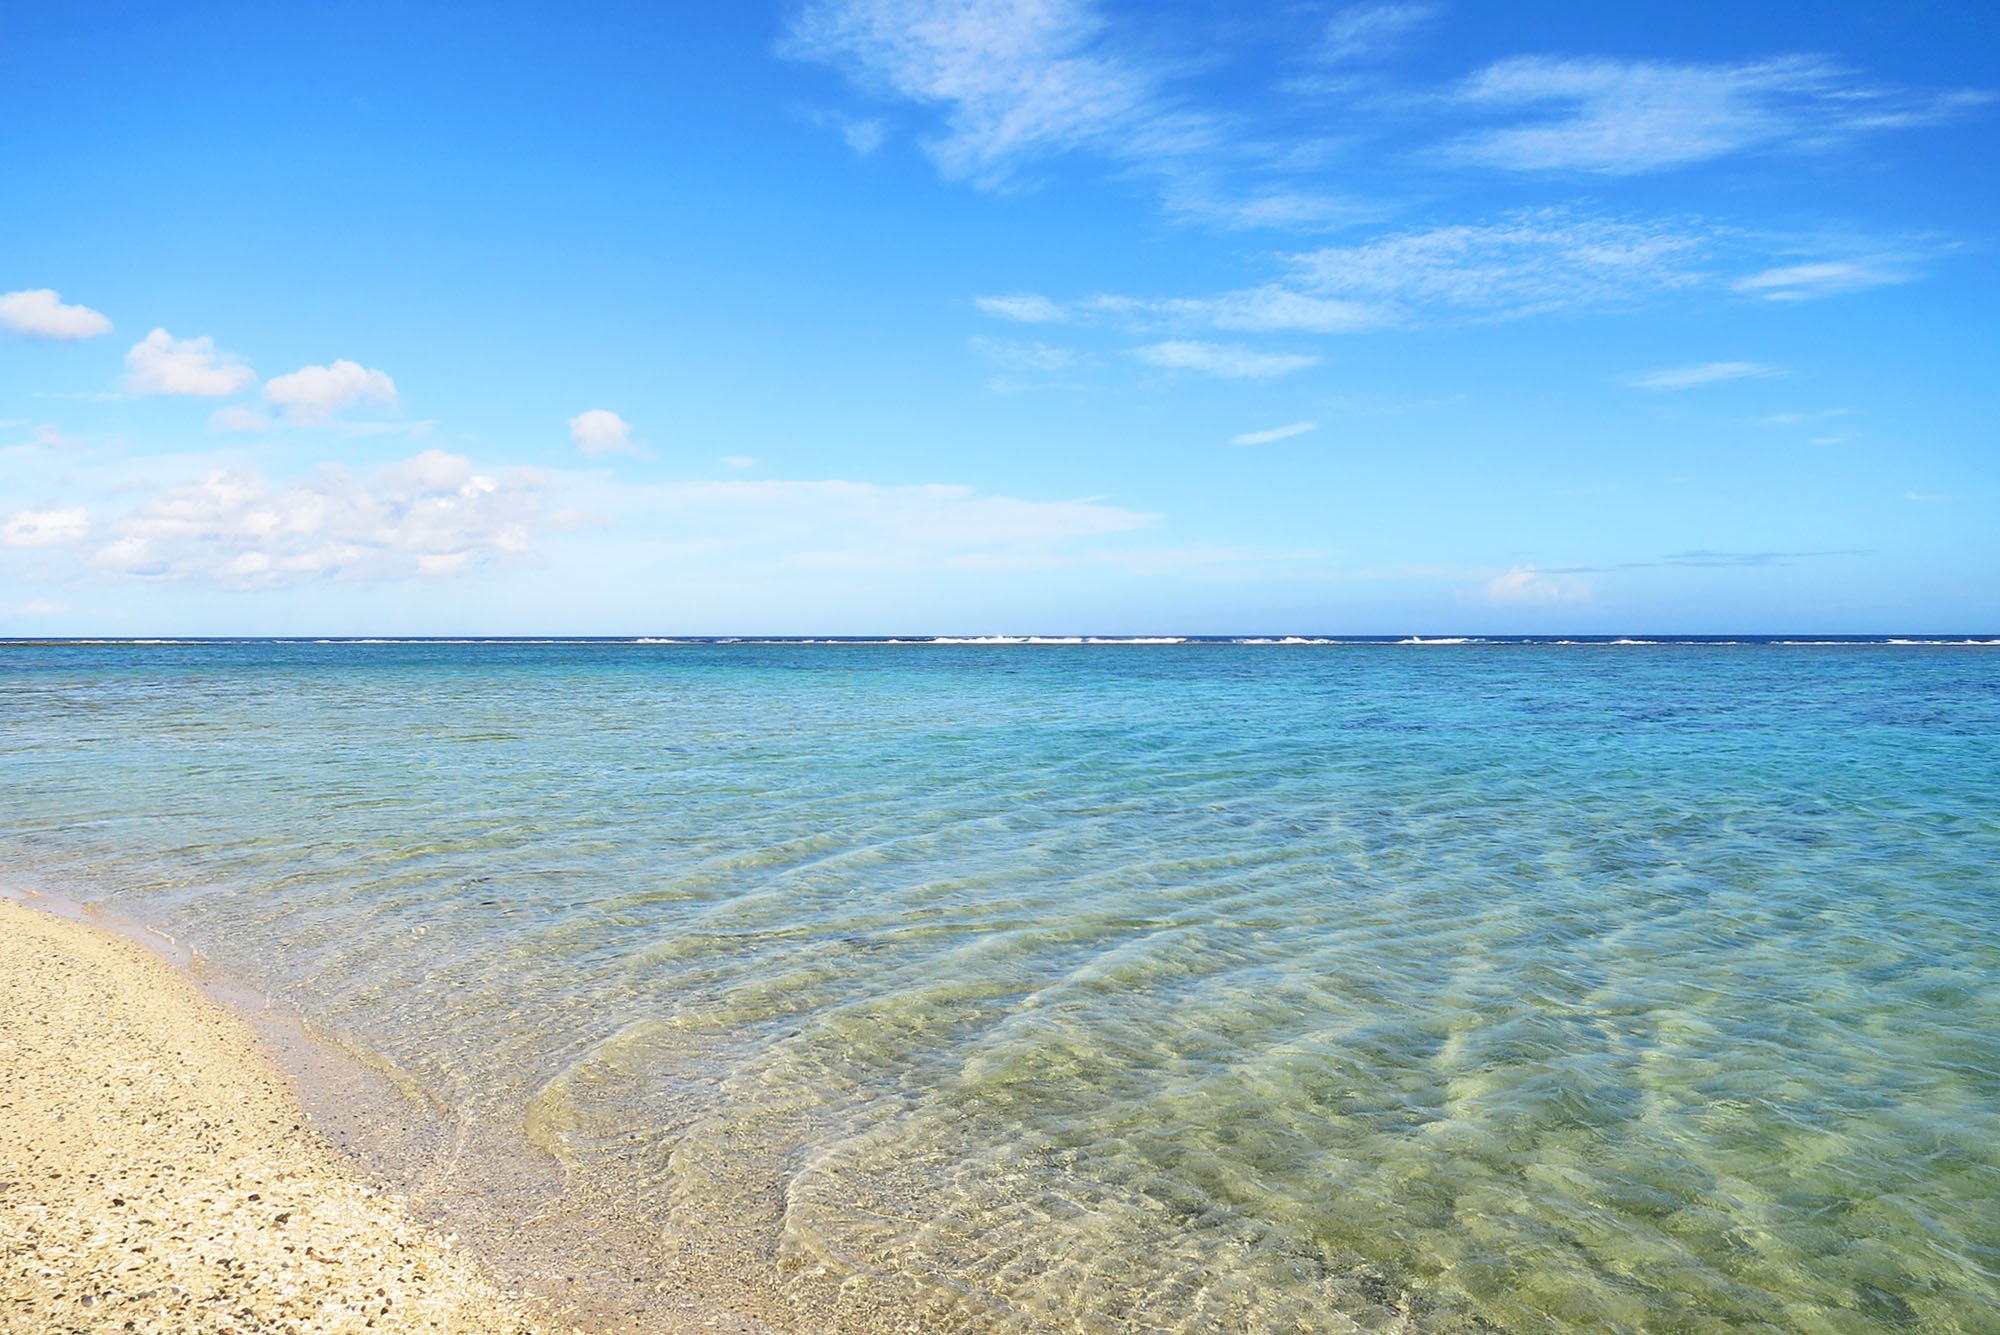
[1165, 988]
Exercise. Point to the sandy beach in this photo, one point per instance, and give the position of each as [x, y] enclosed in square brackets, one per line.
[156, 1173]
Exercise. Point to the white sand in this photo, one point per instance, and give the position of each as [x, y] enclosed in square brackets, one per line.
[156, 1174]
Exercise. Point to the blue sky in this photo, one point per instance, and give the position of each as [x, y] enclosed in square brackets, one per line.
[904, 316]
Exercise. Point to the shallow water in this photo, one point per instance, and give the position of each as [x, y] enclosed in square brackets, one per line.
[1118, 988]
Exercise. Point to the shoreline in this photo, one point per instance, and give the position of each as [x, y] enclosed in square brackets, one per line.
[158, 1170]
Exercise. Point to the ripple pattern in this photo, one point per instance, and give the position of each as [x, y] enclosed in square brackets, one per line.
[1123, 988]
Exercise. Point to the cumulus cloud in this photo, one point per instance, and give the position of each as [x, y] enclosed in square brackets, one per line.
[1014, 79]
[311, 395]
[431, 515]
[1229, 360]
[1275, 433]
[1527, 584]
[601, 431]
[39, 313]
[1706, 373]
[45, 528]
[163, 364]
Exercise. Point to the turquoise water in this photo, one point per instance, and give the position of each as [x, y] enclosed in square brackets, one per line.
[1164, 988]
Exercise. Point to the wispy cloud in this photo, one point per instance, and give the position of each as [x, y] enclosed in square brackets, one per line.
[1026, 307]
[863, 134]
[1706, 373]
[854, 525]
[1229, 360]
[1027, 355]
[1525, 263]
[1532, 260]
[163, 364]
[235, 417]
[1362, 32]
[1016, 80]
[1275, 433]
[40, 313]
[1713, 558]
[1801, 419]
[1622, 117]
[1823, 278]
[49, 436]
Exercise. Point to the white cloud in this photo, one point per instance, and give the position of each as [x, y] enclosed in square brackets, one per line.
[1620, 117]
[1526, 584]
[1286, 203]
[1822, 278]
[1275, 433]
[238, 418]
[738, 461]
[1026, 307]
[1529, 262]
[311, 395]
[601, 431]
[1230, 360]
[864, 136]
[1015, 79]
[859, 524]
[39, 313]
[41, 607]
[1534, 260]
[1801, 419]
[163, 364]
[1275, 306]
[1707, 373]
[50, 437]
[45, 528]
[1363, 31]
[1031, 355]
[427, 515]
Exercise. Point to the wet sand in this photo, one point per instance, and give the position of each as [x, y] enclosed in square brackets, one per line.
[156, 1173]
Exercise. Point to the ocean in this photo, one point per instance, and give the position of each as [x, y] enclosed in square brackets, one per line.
[1255, 985]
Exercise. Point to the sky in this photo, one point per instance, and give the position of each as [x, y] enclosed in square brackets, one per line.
[998, 316]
